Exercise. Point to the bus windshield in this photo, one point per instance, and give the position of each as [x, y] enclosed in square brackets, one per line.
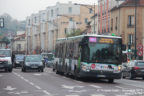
[104, 53]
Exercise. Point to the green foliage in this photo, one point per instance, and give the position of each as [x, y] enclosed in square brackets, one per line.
[12, 25]
[74, 33]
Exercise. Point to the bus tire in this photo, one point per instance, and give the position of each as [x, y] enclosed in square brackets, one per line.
[66, 71]
[76, 77]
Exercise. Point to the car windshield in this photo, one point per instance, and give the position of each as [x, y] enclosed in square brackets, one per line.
[19, 57]
[5, 53]
[33, 59]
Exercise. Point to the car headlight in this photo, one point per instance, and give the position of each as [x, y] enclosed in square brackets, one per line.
[85, 67]
[27, 64]
[41, 64]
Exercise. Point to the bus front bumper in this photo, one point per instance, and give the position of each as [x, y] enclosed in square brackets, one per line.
[100, 74]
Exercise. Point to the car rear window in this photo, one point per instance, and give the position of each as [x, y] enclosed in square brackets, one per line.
[140, 64]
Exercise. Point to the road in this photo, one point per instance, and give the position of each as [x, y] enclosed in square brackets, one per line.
[48, 83]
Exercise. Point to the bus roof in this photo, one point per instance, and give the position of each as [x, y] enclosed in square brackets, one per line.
[60, 39]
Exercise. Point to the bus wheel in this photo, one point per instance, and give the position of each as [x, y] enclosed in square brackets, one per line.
[66, 72]
[110, 80]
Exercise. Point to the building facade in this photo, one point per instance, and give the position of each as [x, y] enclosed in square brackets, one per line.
[55, 22]
[104, 14]
[123, 23]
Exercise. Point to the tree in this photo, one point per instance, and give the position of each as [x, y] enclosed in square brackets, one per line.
[74, 33]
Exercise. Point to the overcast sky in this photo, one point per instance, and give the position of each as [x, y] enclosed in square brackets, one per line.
[20, 9]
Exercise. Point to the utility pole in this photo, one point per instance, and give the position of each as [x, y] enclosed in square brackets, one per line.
[94, 19]
[135, 28]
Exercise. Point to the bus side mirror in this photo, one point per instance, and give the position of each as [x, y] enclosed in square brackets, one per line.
[124, 57]
[123, 47]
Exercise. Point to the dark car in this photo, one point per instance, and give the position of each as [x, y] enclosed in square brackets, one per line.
[133, 69]
[33, 62]
[18, 60]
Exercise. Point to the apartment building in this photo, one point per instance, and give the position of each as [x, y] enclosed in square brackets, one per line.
[123, 23]
[56, 22]
[104, 15]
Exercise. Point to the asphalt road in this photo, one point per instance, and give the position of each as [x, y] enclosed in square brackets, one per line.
[48, 83]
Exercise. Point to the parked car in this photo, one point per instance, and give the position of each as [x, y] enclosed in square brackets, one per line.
[18, 60]
[6, 60]
[33, 62]
[133, 69]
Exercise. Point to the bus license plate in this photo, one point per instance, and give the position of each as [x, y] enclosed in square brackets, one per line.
[101, 76]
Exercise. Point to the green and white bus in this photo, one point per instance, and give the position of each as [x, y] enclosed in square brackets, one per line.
[97, 56]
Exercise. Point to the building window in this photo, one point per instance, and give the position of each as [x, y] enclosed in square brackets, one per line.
[70, 9]
[111, 24]
[130, 20]
[90, 10]
[70, 19]
[116, 23]
[65, 30]
[35, 19]
[86, 20]
[130, 39]
[52, 13]
[29, 22]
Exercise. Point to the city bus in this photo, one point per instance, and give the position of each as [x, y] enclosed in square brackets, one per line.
[96, 56]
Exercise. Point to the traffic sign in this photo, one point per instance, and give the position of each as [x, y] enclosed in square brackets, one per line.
[140, 53]
[1, 22]
[140, 47]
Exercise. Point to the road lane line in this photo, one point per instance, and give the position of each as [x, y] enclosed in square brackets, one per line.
[31, 83]
[97, 95]
[38, 87]
[95, 86]
[71, 95]
[120, 87]
[46, 92]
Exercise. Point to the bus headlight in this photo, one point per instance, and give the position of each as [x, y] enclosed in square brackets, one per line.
[85, 67]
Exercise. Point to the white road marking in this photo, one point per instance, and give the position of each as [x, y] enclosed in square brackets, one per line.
[37, 74]
[78, 81]
[9, 88]
[31, 83]
[97, 95]
[37, 87]
[45, 91]
[77, 91]
[120, 87]
[71, 87]
[95, 86]
[71, 95]
[121, 95]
